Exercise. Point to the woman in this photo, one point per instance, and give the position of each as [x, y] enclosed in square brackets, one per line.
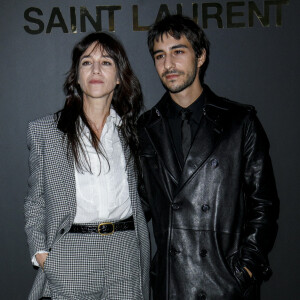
[85, 226]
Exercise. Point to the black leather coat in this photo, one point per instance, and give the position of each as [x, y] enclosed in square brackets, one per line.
[217, 214]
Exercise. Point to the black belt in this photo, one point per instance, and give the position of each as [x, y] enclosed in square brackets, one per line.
[104, 228]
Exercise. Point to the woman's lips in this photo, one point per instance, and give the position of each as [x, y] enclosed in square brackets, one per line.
[95, 81]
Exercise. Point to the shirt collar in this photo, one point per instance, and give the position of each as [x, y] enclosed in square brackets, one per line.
[112, 118]
[196, 108]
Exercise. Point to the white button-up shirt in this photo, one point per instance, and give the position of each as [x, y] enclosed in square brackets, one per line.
[104, 193]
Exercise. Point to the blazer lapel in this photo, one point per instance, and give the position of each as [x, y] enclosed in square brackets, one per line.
[131, 173]
[66, 174]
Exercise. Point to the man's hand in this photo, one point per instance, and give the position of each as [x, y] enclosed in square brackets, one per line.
[41, 258]
[248, 271]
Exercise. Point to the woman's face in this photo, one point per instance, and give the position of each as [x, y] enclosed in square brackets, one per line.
[97, 74]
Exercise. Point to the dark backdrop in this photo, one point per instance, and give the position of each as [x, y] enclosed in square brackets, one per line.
[251, 62]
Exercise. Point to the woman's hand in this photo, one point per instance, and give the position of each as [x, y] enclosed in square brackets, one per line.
[41, 258]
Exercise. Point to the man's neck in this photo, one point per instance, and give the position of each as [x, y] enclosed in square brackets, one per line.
[186, 97]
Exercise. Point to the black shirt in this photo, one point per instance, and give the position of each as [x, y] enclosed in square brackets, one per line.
[174, 121]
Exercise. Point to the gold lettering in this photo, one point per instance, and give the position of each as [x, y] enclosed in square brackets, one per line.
[30, 19]
[195, 12]
[231, 14]
[73, 19]
[111, 14]
[278, 9]
[135, 20]
[163, 11]
[179, 9]
[84, 13]
[263, 19]
[61, 22]
[216, 15]
[236, 12]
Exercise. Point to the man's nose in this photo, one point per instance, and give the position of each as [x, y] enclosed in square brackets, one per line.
[169, 62]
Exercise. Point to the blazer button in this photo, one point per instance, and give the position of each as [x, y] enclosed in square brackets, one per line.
[173, 252]
[62, 231]
[205, 207]
[202, 297]
[214, 163]
[175, 206]
[203, 252]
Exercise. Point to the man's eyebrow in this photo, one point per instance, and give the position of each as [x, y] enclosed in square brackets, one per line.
[172, 48]
[179, 46]
[157, 51]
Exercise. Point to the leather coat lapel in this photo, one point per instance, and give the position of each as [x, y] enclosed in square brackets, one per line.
[160, 136]
[204, 144]
[206, 139]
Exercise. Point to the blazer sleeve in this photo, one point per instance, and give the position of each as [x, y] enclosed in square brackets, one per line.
[34, 207]
[261, 201]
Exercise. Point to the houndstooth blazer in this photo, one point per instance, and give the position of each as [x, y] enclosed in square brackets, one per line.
[50, 204]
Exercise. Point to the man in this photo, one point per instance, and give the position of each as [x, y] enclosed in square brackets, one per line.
[208, 179]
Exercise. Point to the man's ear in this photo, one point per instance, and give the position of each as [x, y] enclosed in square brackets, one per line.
[201, 59]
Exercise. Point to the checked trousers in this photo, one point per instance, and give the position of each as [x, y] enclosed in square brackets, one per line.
[94, 267]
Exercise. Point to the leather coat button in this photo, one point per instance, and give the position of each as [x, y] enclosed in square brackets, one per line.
[173, 251]
[214, 163]
[205, 207]
[175, 206]
[203, 252]
[62, 231]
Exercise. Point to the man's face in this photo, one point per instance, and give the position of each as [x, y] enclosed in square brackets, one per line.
[176, 63]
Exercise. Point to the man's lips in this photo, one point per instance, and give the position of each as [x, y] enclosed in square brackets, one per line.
[171, 76]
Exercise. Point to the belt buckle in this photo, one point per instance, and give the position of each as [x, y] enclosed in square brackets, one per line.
[106, 228]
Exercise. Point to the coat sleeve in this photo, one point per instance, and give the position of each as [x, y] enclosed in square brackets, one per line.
[261, 201]
[34, 207]
[143, 198]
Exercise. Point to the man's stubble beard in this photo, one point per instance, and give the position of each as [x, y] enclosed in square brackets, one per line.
[189, 81]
